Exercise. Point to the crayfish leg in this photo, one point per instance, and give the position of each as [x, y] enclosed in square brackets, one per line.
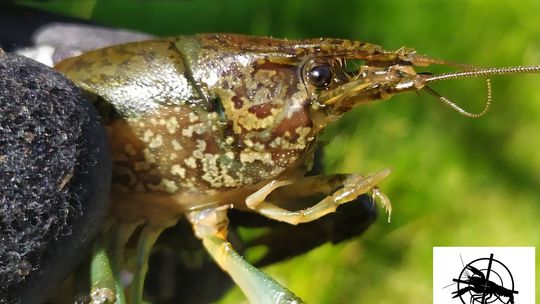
[342, 188]
[211, 226]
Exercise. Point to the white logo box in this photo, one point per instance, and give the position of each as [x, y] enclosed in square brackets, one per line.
[448, 263]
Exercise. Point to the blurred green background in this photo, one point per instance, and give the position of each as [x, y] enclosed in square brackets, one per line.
[455, 182]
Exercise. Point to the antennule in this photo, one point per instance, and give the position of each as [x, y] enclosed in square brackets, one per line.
[459, 109]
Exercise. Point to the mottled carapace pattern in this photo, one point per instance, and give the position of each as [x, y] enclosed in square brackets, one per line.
[203, 118]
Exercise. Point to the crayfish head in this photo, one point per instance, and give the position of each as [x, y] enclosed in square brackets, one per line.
[365, 73]
[365, 84]
[343, 74]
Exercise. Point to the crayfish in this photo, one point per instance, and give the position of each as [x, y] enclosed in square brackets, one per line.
[202, 124]
[483, 288]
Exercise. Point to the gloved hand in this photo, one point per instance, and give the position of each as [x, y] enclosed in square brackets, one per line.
[55, 171]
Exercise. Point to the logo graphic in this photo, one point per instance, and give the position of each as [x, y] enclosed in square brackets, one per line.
[485, 280]
[484, 275]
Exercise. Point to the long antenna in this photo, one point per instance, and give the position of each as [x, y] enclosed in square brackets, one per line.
[459, 109]
[484, 72]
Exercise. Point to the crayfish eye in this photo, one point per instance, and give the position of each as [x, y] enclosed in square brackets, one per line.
[320, 75]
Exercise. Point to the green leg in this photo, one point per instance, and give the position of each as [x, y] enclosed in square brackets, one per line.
[105, 288]
[107, 261]
[257, 286]
[210, 225]
[146, 241]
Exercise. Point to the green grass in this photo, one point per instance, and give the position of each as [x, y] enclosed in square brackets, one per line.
[455, 181]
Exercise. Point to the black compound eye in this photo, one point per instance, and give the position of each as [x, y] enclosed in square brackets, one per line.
[320, 76]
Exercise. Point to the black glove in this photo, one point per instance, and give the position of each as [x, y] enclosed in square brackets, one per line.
[55, 171]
